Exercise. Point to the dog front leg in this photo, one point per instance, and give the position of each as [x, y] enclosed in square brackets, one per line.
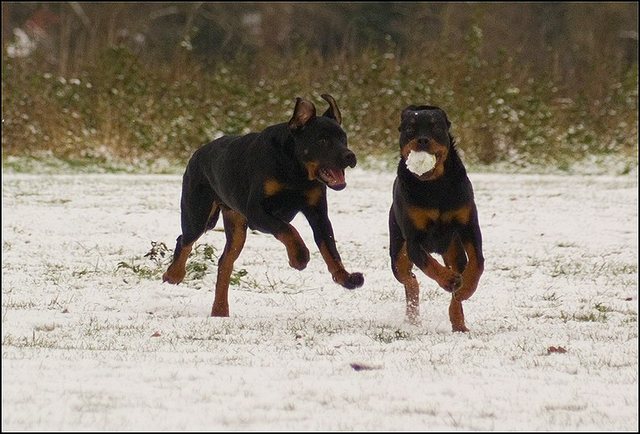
[324, 238]
[297, 251]
[401, 266]
[448, 279]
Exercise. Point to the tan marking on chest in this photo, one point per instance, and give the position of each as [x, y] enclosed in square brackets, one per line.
[272, 187]
[460, 215]
[313, 196]
[421, 217]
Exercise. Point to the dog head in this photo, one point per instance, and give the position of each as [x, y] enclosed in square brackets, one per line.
[320, 142]
[425, 141]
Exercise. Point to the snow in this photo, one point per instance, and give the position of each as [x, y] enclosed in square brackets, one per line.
[90, 346]
[420, 162]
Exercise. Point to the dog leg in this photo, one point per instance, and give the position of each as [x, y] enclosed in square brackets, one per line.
[318, 219]
[198, 211]
[285, 233]
[447, 278]
[176, 271]
[334, 265]
[401, 266]
[297, 252]
[470, 277]
[235, 229]
[472, 245]
[455, 258]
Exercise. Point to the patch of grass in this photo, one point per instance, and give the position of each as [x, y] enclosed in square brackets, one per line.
[550, 296]
[10, 303]
[598, 267]
[584, 316]
[141, 271]
[202, 260]
[96, 327]
[37, 340]
[387, 335]
[602, 308]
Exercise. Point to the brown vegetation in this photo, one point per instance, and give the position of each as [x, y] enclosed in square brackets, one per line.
[522, 82]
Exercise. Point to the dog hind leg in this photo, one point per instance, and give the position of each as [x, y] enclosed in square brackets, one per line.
[199, 212]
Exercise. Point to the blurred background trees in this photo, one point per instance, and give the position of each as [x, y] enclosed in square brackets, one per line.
[517, 76]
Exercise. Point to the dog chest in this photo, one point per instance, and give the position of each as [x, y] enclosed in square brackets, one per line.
[422, 218]
[284, 201]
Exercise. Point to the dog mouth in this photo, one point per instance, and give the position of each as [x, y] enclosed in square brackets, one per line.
[333, 178]
[422, 163]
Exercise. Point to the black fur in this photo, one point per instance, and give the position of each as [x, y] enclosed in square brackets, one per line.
[261, 181]
[433, 212]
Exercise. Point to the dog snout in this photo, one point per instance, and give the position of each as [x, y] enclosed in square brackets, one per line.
[349, 159]
[423, 142]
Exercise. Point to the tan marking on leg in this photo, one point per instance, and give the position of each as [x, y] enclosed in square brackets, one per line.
[471, 277]
[235, 228]
[213, 216]
[450, 256]
[456, 315]
[176, 271]
[296, 250]
[445, 277]
[403, 266]
[338, 273]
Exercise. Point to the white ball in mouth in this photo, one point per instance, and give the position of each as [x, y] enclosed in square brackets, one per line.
[420, 162]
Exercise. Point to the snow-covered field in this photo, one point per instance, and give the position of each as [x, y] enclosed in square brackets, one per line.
[92, 339]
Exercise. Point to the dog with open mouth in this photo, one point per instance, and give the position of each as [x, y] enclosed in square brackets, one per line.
[261, 181]
[433, 211]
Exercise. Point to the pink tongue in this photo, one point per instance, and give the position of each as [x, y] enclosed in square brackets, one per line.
[336, 177]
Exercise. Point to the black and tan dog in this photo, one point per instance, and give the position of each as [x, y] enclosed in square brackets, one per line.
[433, 211]
[261, 181]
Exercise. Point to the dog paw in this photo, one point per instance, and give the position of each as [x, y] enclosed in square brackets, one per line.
[219, 311]
[353, 281]
[413, 316]
[461, 328]
[172, 277]
[452, 282]
[348, 280]
[299, 259]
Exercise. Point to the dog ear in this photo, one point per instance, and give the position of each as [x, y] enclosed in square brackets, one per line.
[302, 113]
[333, 111]
[447, 119]
[405, 113]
